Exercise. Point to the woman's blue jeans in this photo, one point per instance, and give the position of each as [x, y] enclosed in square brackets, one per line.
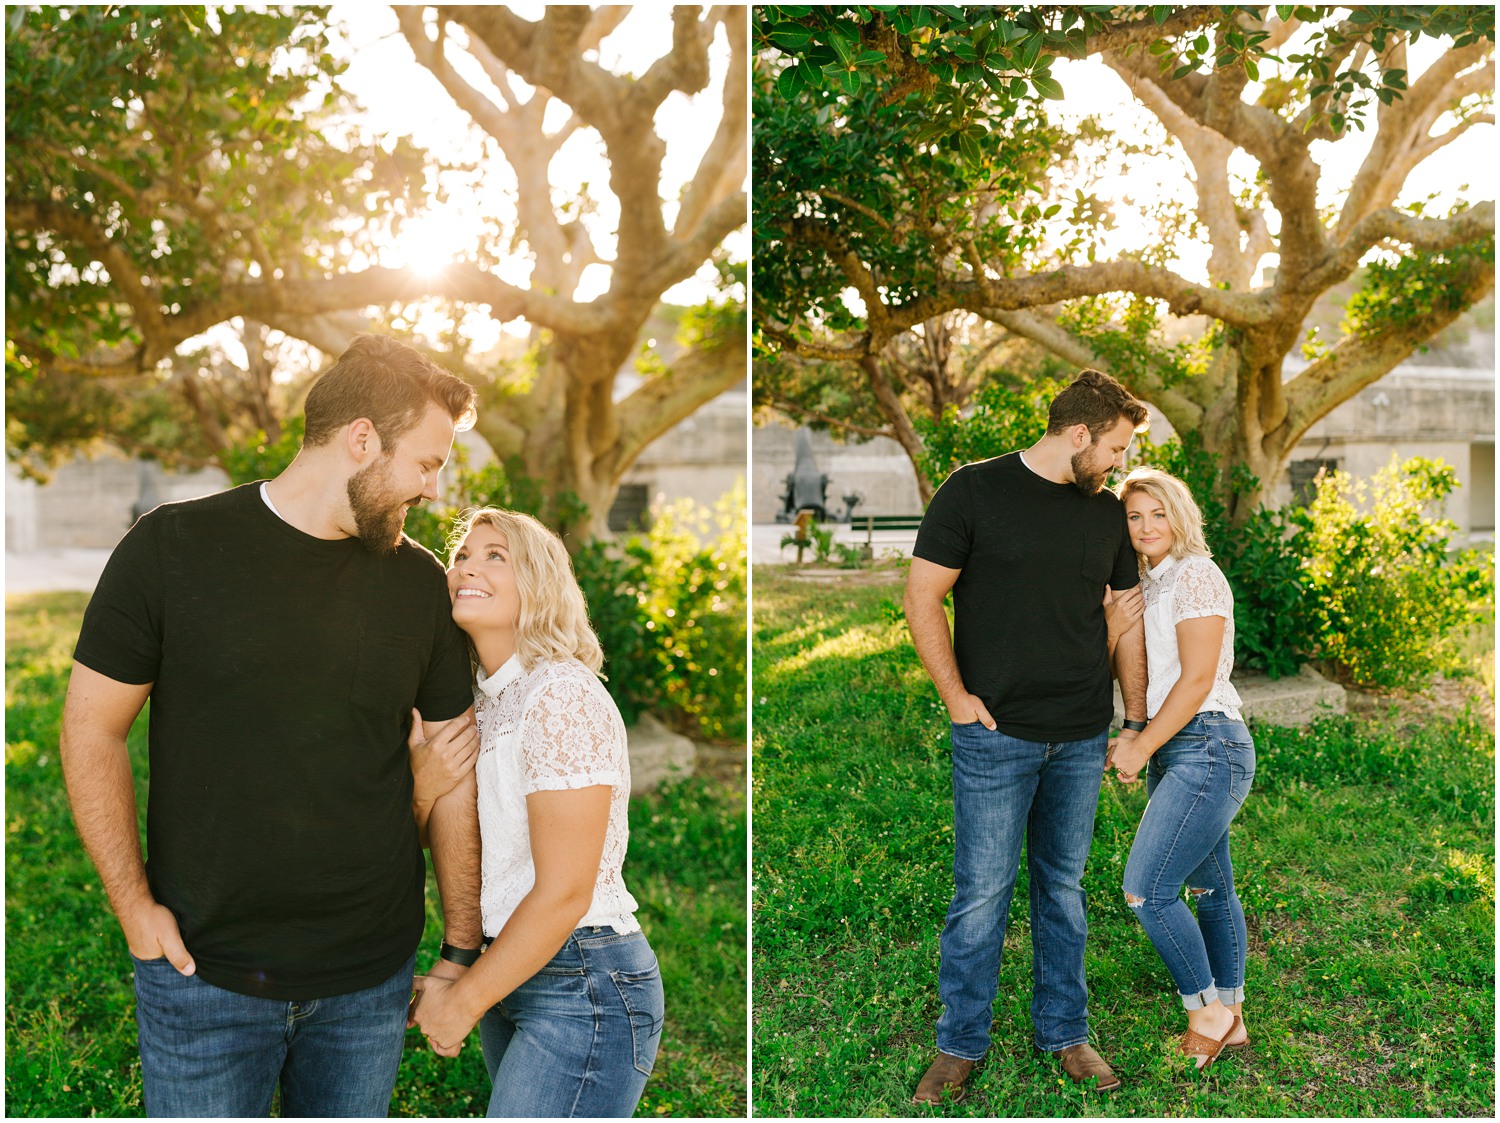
[1197, 782]
[1006, 789]
[579, 1037]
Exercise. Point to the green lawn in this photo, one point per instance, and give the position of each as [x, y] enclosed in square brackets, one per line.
[70, 1030]
[1364, 858]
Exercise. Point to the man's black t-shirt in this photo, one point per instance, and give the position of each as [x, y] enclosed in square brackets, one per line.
[1028, 623]
[279, 826]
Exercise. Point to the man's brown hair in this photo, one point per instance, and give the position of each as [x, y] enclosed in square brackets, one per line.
[388, 382]
[1096, 400]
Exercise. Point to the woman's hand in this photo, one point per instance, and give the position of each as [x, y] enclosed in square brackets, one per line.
[1126, 757]
[1121, 611]
[439, 762]
[440, 1014]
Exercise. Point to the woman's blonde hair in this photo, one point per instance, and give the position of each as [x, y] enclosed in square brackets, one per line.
[1183, 515]
[554, 621]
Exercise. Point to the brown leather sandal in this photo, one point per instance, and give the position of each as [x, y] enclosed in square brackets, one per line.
[1195, 1044]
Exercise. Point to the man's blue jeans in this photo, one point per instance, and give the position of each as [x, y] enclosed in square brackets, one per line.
[1005, 789]
[206, 1051]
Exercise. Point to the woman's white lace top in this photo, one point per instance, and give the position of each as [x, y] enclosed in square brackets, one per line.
[1177, 590]
[553, 727]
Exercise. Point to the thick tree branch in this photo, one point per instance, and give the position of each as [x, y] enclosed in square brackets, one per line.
[697, 376]
[722, 169]
[1403, 137]
[1360, 360]
[1430, 234]
[1281, 150]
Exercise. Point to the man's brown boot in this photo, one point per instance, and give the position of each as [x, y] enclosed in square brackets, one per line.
[946, 1075]
[1082, 1061]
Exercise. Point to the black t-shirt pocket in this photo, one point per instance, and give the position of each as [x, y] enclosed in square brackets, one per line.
[1098, 558]
[387, 671]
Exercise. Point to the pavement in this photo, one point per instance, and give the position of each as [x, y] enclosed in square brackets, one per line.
[54, 571]
[766, 548]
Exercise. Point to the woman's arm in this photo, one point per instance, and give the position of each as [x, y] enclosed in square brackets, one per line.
[1198, 643]
[567, 831]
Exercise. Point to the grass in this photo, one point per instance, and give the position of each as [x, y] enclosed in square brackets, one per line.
[69, 1017]
[1364, 858]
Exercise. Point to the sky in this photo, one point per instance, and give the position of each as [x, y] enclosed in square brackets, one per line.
[400, 97]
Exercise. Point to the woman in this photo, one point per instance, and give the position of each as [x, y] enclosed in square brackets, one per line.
[567, 993]
[1201, 761]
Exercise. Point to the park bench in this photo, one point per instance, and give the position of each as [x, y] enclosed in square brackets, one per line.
[872, 523]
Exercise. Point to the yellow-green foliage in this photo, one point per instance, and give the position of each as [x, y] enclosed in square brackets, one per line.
[1389, 593]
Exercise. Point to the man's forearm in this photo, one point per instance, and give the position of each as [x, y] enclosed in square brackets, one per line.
[928, 624]
[96, 770]
[1130, 669]
[453, 828]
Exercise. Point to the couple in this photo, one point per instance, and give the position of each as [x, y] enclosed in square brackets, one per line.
[1055, 579]
[304, 660]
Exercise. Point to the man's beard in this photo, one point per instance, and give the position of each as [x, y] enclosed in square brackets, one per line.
[1087, 478]
[378, 518]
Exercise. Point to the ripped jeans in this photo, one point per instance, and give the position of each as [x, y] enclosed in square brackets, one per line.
[1197, 782]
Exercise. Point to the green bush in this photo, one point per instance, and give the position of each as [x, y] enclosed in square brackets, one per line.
[1389, 594]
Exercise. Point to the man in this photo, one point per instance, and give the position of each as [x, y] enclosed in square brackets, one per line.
[284, 631]
[1028, 543]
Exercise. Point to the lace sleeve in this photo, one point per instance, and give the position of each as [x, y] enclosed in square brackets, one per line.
[1201, 591]
[569, 738]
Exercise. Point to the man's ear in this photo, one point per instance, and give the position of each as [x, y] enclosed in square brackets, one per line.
[1081, 437]
[362, 441]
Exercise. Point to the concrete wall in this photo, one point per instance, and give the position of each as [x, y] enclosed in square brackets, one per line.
[88, 503]
[877, 469]
[702, 458]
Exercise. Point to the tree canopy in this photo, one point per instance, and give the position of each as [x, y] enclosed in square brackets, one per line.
[169, 170]
[911, 169]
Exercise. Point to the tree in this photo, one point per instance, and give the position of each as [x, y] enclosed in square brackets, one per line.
[173, 169]
[923, 373]
[943, 91]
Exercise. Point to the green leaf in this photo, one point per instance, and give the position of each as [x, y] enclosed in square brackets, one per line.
[791, 82]
[1031, 49]
[1251, 70]
[1049, 88]
[969, 146]
[790, 36]
[1182, 72]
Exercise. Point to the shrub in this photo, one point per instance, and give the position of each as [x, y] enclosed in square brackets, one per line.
[1389, 592]
[689, 586]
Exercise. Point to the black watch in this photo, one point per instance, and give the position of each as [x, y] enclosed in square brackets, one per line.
[1133, 726]
[464, 957]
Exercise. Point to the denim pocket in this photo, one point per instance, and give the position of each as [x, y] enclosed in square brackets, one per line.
[1241, 767]
[641, 993]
